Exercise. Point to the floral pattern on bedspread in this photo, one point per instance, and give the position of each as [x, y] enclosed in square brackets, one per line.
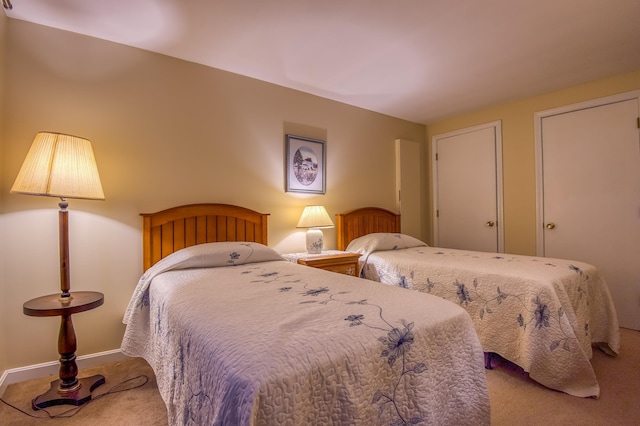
[535, 312]
[396, 344]
[542, 314]
[345, 350]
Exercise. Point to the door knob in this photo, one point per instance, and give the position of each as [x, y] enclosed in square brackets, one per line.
[551, 225]
[490, 223]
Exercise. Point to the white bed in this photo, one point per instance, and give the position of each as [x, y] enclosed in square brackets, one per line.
[238, 336]
[542, 314]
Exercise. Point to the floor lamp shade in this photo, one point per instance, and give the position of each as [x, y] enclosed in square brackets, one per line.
[59, 165]
[314, 218]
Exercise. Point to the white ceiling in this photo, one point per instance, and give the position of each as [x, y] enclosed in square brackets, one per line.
[420, 60]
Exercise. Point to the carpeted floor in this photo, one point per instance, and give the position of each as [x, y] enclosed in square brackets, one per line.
[515, 400]
[112, 404]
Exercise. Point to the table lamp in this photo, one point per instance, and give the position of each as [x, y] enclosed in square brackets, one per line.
[59, 165]
[314, 218]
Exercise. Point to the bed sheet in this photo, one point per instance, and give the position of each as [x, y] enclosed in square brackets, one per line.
[542, 314]
[271, 342]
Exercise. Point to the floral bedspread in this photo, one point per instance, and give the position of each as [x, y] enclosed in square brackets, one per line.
[540, 313]
[238, 336]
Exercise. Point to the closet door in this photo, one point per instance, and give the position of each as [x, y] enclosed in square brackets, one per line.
[467, 191]
[589, 194]
[408, 199]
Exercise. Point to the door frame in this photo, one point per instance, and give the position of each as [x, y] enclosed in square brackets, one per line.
[497, 130]
[538, 117]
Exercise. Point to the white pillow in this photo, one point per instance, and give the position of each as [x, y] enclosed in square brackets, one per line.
[379, 241]
[227, 253]
[209, 255]
[212, 255]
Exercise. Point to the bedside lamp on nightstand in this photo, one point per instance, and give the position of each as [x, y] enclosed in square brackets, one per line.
[315, 218]
[63, 166]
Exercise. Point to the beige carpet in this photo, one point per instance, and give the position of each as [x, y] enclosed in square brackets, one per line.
[139, 406]
[515, 400]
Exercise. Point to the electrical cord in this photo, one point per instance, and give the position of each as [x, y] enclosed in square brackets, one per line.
[75, 410]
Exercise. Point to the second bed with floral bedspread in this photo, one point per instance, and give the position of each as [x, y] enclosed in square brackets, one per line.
[542, 314]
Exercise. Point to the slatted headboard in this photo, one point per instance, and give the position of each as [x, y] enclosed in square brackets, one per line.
[366, 220]
[173, 229]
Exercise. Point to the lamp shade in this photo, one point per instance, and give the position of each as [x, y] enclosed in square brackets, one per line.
[59, 165]
[315, 217]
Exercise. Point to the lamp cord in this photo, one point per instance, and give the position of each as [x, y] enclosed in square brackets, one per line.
[75, 410]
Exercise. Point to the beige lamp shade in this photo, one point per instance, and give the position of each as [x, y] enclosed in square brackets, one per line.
[315, 217]
[59, 165]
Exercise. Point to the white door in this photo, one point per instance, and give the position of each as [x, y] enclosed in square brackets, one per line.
[467, 180]
[589, 179]
[408, 199]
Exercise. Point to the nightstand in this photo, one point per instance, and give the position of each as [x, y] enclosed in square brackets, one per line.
[331, 260]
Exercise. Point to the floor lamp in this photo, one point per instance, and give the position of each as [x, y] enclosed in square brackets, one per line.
[63, 166]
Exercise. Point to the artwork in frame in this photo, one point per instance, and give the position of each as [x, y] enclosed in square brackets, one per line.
[305, 165]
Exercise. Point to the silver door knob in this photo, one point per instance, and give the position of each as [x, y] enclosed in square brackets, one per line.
[490, 223]
[551, 225]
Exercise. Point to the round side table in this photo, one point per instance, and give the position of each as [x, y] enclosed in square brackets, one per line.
[68, 389]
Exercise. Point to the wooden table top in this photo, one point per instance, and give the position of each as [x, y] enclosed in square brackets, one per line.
[55, 305]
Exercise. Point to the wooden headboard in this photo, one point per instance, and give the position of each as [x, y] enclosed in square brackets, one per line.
[173, 229]
[366, 220]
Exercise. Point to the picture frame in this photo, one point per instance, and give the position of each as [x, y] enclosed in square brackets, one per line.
[305, 165]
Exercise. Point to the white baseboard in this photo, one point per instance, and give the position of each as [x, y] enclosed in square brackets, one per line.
[52, 368]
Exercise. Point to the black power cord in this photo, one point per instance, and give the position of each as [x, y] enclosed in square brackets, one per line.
[75, 410]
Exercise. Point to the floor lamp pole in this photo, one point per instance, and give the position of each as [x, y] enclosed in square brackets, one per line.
[63, 222]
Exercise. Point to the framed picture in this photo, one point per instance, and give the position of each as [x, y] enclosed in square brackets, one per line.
[305, 165]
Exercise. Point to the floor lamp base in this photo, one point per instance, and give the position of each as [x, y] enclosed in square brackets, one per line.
[77, 397]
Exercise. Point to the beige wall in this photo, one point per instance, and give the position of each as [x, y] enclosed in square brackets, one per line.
[518, 151]
[3, 340]
[165, 132]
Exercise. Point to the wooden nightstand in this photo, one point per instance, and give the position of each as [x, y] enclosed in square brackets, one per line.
[331, 260]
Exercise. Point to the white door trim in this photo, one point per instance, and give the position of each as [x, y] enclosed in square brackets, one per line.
[538, 116]
[497, 126]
